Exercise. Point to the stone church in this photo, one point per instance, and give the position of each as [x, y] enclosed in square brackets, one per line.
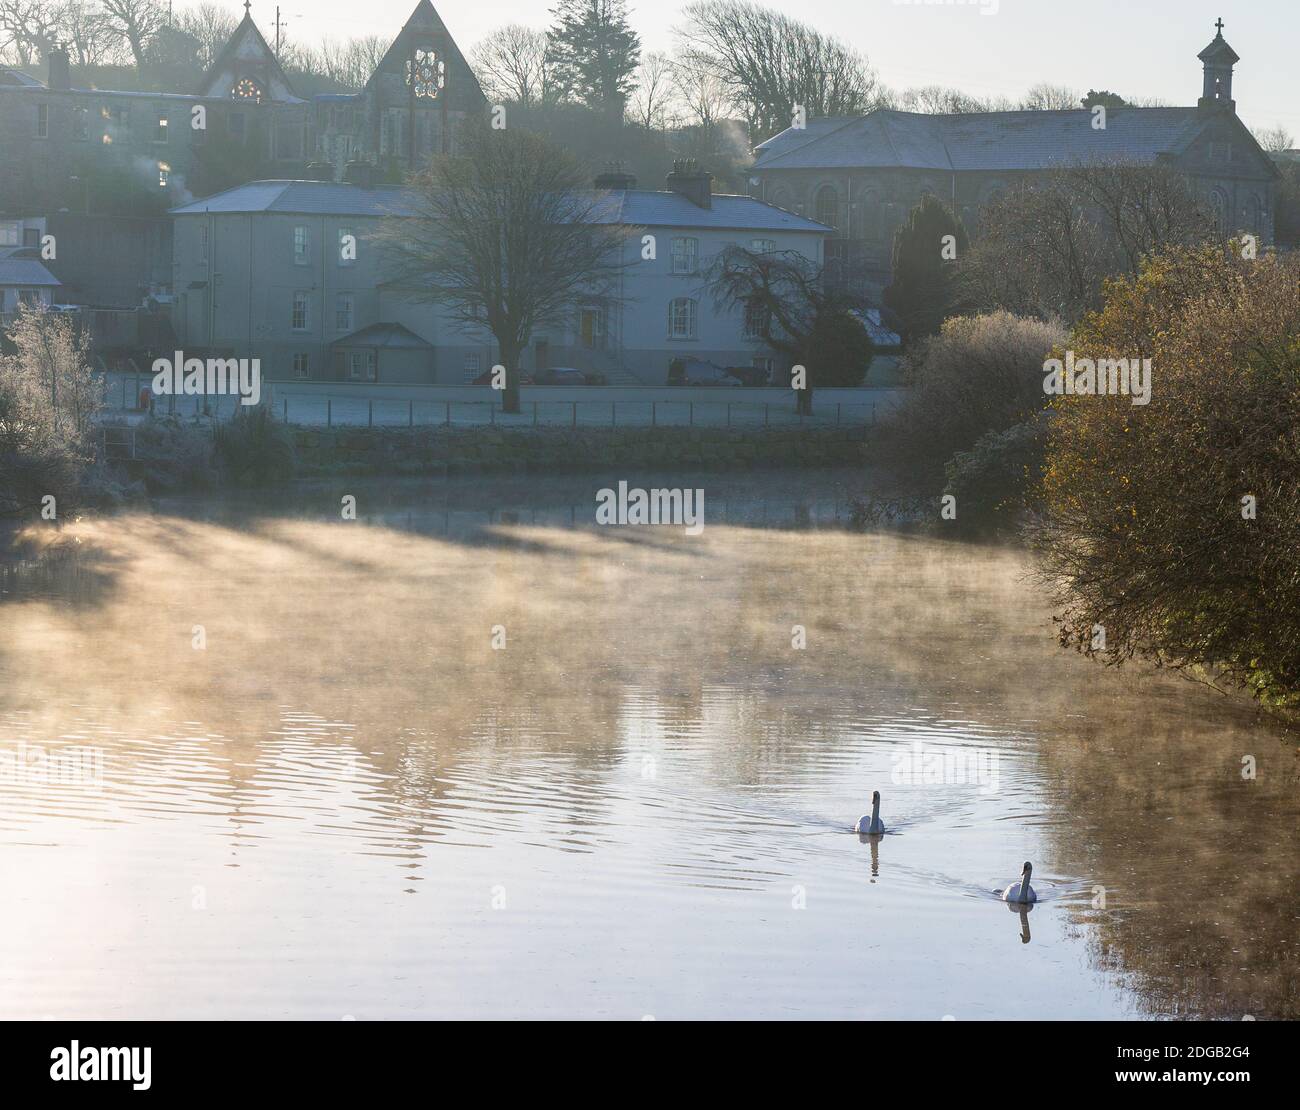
[81, 149]
[863, 175]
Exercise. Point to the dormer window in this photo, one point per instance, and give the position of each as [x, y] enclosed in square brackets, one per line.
[428, 75]
[248, 90]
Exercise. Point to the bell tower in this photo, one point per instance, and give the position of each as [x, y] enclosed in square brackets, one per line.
[1218, 59]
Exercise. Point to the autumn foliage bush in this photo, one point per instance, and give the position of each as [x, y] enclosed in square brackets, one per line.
[1174, 528]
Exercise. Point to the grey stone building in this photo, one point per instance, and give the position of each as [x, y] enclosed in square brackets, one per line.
[63, 145]
[863, 175]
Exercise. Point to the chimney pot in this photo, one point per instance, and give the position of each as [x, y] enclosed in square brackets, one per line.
[691, 182]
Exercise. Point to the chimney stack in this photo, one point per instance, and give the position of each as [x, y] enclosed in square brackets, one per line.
[60, 67]
[615, 178]
[358, 172]
[320, 171]
[695, 184]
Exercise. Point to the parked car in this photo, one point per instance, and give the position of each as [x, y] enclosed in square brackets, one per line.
[560, 375]
[695, 371]
[485, 378]
[749, 375]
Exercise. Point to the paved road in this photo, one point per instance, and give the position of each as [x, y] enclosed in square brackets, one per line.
[350, 404]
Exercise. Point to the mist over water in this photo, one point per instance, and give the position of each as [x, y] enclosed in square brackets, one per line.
[349, 803]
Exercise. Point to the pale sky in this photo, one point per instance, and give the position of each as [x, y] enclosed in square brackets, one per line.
[1137, 48]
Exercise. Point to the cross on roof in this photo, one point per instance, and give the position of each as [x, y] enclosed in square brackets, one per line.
[248, 7]
[1219, 25]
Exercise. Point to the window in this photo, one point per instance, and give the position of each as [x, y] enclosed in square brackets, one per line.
[757, 320]
[361, 365]
[235, 124]
[686, 251]
[347, 247]
[473, 364]
[828, 206]
[766, 365]
[121, 117]
[762, 246]
[343, 306]
[301, 365]
[42, 121]
[299, 318]
[10, 233]
[246, 89]
[80, 124]
[426, 75]
[301, 246]
[164, 175]
[682, 318]
[160, 132]
[30, 297]
[1219, 211]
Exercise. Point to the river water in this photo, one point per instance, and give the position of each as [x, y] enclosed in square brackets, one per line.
[470, 755]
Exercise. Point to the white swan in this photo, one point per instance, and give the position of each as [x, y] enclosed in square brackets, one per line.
[1021, 892]
[873, 825]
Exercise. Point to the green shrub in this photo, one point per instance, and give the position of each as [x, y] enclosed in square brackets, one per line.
[254, 448]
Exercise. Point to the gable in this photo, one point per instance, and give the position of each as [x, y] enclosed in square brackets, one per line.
[247, 56]
[425, 30]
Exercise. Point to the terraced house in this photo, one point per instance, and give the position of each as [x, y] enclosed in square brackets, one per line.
[863, 175]
[262, 271]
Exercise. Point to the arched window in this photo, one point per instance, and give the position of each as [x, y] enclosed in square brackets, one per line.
[1252, 215]
[828, 206]
[1219, 211]
[781, 198]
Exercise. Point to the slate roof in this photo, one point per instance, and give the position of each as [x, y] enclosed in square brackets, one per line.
[636, 207]
[14, 77]
[305, 198]
[389, 336]
[983, 141]
[17, 268]
[653, 208]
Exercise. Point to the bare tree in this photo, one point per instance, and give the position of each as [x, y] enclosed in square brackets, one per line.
[507, 237]
[135, 21]
[1046, 249]
[651, 104]
[211, 24]
[86, 32]
[1275, 139]
[803, 312]
[512, 65]
[1051, 98]
[349, 63]
[701, 93]
[940, 101]
[29, 28]
[773, 66]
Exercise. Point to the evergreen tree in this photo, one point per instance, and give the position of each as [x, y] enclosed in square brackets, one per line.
[595, 52]
[926, 249]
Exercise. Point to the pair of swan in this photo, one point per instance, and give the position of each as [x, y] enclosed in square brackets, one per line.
[1021, 893]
